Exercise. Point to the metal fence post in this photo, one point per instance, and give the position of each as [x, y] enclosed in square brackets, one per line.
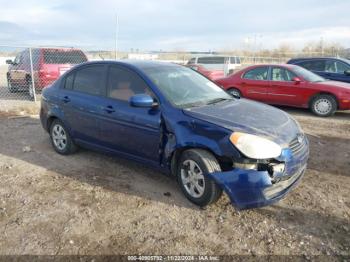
[32, 73]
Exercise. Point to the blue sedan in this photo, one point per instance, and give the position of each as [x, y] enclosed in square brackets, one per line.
[174, 119]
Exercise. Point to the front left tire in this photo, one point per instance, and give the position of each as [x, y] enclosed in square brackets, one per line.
[11, 87]
[193, 167]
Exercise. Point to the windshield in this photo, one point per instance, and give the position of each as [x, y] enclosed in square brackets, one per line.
[64, 57]
[184, 87]
[307, 75]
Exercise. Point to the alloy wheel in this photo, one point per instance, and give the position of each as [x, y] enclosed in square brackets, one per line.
[59, 137]
[192, 178]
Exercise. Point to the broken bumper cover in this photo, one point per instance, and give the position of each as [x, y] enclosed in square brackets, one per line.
[252, 188]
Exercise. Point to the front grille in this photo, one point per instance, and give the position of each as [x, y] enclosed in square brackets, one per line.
[297, 144]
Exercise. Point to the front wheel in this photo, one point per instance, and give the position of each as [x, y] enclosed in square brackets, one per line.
[234, 92]
[324, 105]
[11, 87]
[194, 165]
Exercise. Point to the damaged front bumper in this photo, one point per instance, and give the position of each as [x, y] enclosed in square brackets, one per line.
[253, 188]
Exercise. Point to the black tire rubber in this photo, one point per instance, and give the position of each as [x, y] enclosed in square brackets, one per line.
[10, 86]
[29, 86]
[208, 164]
[330, 98]
[70, 147]
[234, 89]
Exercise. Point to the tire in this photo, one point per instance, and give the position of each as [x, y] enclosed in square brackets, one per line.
[11, 87]
[324, 105]
[60, 138]
[234, 92]
[204, 190]
[30, 88]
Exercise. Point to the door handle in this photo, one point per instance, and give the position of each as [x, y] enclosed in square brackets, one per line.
[66, 99]
[108, 109]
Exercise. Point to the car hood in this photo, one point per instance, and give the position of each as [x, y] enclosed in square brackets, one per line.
[250, 117]
[335, 83]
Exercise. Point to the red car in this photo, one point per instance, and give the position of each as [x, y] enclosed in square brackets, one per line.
[289, 85]
[211, 74]
[48, 65]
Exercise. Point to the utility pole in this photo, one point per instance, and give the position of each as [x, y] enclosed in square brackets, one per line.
[116, 36]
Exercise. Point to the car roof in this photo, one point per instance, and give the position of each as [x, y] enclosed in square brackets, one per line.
[290, 66]
[141, 64]
[319, 58]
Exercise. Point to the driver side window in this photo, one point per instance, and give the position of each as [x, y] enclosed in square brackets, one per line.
[341, 67]
[282, 74]
[18, 58]
[123, 84]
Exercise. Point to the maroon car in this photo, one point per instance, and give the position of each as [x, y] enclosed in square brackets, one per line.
[211, 74]
[48, 65]
[289, 85]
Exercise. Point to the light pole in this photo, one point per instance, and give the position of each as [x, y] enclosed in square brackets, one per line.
[116, 36]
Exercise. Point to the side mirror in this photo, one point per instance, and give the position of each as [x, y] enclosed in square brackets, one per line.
[9, 62]
[142, 100]
[347, 72]
[296, 80]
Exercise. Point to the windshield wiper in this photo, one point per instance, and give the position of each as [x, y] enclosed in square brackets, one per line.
[193, 104]
[217, 100]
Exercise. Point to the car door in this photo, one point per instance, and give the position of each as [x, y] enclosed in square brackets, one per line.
[81, 98]
[254, 83]
[131, 130]
[283, 90]
[335, 70]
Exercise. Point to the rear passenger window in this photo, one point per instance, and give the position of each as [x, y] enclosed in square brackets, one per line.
[69, 82]
[192, 61]
[234, 60]
[260, 73]
[211, 60]
[123, 83]
[315, 65]
[89, 80]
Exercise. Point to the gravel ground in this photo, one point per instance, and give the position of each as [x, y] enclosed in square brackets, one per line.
[89, 203]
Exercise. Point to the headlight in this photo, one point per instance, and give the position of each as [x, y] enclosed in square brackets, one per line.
[254, 146]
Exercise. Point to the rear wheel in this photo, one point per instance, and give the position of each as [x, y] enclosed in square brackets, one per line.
[60, 138]
[324, 105]
[194, 165]
[30, 88]
[234, 92]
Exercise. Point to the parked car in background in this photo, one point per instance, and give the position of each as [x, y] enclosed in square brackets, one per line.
[337, 69]
[48, 65]
[211, 74]
[225, 63]
[289, 85]
[175, 119]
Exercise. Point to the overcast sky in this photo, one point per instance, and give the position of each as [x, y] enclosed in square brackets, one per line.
[174, 25]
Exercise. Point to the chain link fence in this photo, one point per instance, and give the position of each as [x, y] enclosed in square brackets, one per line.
[25, 71]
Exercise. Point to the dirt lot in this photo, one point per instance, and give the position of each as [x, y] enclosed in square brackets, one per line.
[89, 203]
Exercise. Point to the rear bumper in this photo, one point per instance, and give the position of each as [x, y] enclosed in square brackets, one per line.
[252, 188]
